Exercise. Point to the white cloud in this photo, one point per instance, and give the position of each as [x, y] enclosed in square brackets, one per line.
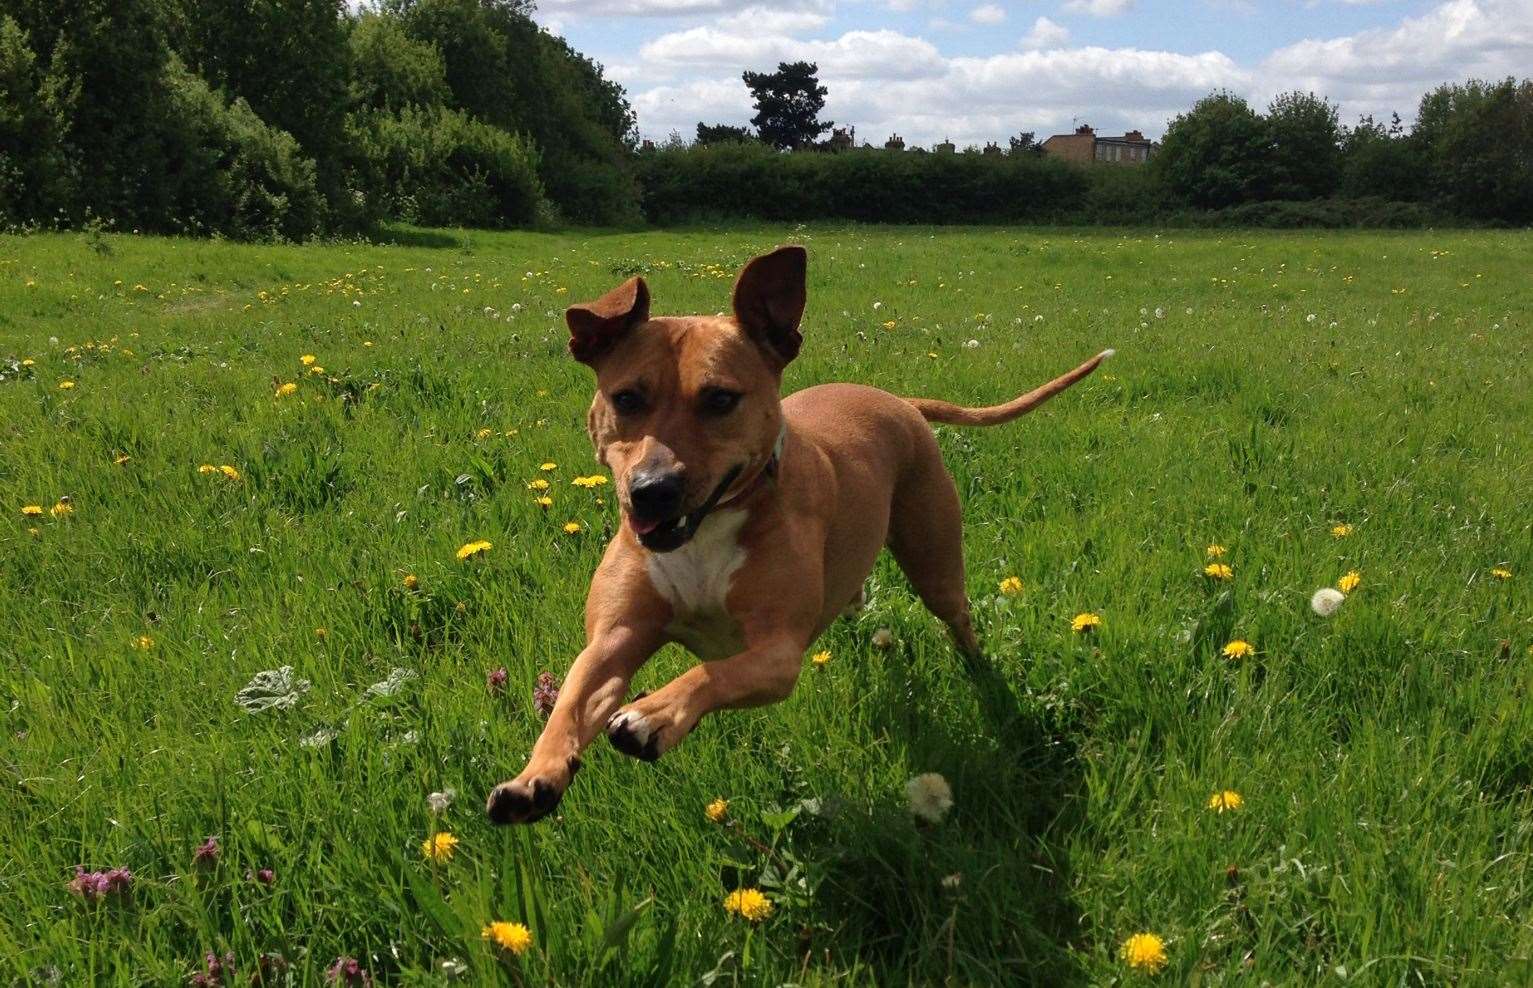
[989, 13]
[1099, 8]
[639, 8]
[857, 54]
[1045, 34]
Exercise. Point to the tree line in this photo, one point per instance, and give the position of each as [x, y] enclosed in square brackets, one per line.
[289, 118]
[295, 118]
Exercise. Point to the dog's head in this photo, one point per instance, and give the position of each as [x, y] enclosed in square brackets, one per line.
[687, 407]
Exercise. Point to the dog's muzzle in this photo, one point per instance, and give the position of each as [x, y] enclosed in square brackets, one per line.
[675, 532]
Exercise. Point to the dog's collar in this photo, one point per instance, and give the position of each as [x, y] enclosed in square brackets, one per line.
[767, 472]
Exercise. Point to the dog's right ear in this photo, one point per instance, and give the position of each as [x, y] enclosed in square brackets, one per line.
[596, 326]
[769, 300]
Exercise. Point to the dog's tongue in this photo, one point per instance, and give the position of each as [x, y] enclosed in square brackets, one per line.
[642, 527]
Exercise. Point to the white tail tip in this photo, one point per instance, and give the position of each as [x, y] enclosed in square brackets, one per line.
[1106, 354]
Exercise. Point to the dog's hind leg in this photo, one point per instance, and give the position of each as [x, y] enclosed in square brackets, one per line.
[926, 538]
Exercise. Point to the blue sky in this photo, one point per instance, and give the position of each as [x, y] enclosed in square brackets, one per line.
[978, 70]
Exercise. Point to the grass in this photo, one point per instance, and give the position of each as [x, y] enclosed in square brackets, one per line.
[1268, 388]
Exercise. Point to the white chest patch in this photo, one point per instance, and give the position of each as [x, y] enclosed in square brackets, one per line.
[695, 581]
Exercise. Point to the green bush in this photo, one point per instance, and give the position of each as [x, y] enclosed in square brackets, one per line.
[441, 168]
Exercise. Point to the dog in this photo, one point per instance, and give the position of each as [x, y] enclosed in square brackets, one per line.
[749, 521]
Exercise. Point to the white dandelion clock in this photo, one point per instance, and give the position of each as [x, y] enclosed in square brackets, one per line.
[1326, 601]
[930, 797]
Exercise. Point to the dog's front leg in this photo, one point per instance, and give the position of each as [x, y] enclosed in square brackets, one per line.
[764, 673]
[594, 688]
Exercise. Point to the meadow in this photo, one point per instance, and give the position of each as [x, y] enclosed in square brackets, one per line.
[251, 459]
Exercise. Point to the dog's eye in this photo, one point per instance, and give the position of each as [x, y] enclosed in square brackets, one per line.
[627, 402]
[719, 401]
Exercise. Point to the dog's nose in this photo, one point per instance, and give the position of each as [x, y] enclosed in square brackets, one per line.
[655, 496]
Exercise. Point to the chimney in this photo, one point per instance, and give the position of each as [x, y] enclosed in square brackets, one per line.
[1133, 135]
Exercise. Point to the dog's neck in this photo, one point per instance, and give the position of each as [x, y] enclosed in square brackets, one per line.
[767, 472]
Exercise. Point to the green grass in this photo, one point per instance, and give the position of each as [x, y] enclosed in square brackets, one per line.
[1268, 387]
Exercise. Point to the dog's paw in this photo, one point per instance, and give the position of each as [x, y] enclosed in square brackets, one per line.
[631, 733]
[526, 800]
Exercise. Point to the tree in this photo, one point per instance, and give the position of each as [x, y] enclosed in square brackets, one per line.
[1306, 147]
[1477, 143]
[391, 70]
[1025, 143]
[1380, 161]
[722, 134]
[788, 104]
[1215, 154]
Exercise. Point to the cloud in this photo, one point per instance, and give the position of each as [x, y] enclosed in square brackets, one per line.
[989, 13]
[881, 54]
[658, 8]
[1045, 34]
[1099, 8]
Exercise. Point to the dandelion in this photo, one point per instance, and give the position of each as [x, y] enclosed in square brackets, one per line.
[1501, 573]
[548, 467]
[512, 937]
[1341, 531]
[1229, 799]
[438, 802]
[545, 693]
[66, 385]
[287, 390]
[543, 502]
[1085, 621]
[229, 472]
[143, 643]
[1350, 581]
[749, 904]
[1218, 571]
[883, 638]
[1238, 649]
[207, 468]
[31, 511]
[412, 582]
[717, 810]
[890, 324]
[484, 434]
[1144, 952]
[495, 681]
[595, 480]
[1011, 586]
[316, 369]
[439, 847]
[929, 797]
[307, 359]
[538, 485]
[348, 972]
[1326, 600]
[322, 633]
[471, 549]
[821, 658]
[572, 528]
[120, 459]
[1215, 551]
[207, 853]
[63, 509]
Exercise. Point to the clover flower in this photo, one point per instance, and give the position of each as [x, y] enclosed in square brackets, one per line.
[545, 693]
[93, 886]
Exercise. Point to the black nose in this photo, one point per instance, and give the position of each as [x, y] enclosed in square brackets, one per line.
[655, 496]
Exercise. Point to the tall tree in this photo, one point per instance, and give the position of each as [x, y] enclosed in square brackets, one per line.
[1215, 154]
[788, 104]
[722, 134]
[1306, 146]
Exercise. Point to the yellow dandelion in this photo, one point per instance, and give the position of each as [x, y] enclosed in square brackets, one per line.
[1341, 531]
[287, 390]
[1218, 571]
[1085, 621]
[1350, 581]
[322, 633]
[572, 527]
[512, 937]
[544, 502]
[1011, 586]
[63, 509]
[1501, 573]
[1238, 649]
[412, 582]
[890, 324]
[1229, 799]
[748, 904]
[472, 549]
[229, 472]
[120, 459]
[538, 485]
[316, 369]
[143, 643]
[548, 467]
[66, 385]
[307, 359]
[717, 810]
[207, 468]
[1215, 551]
[31, 511]
[439, 848]
[484, 433]
[1144, 952]
[820, 658]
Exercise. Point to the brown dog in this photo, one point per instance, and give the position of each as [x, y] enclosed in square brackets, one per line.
[749, 521]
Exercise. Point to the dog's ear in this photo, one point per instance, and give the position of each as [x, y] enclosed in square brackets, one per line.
[769, 300]
[595, 326]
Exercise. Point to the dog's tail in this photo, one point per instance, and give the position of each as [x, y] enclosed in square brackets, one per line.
[944, 411]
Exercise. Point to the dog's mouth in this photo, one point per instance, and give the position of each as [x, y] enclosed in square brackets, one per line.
[667, 534]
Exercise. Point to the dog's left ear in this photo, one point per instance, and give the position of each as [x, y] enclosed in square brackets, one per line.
[769, 300]
[595, 326]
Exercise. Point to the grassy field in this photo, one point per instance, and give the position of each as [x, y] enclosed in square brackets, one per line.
[1315, 405]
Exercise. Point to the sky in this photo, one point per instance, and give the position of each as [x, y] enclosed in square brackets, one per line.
[979, 70]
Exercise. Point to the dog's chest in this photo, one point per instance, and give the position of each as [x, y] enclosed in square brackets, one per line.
[695, 581]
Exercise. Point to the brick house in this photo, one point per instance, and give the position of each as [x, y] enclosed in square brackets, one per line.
[1085, 146]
